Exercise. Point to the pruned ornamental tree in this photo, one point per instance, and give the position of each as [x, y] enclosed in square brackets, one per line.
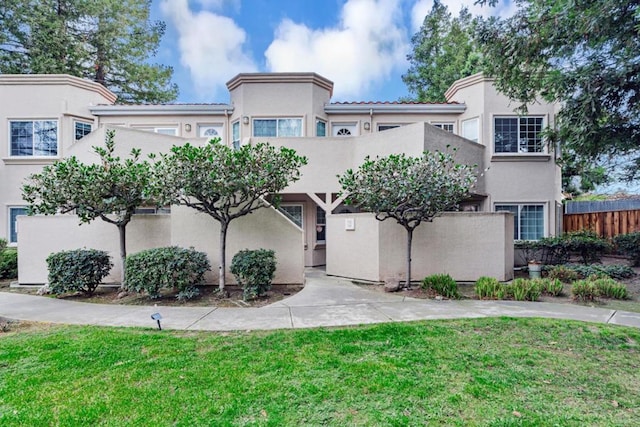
[584, 55]
[111, 190]
[225, 183]
[410, 190]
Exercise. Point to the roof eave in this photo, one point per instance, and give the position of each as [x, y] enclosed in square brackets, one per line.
[394, 108]
[160, 110]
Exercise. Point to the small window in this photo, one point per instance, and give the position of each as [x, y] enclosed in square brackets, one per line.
[321, 128]
[173, 131]
[470, 129]
[321, 225]
[529, 220]
[294, 212]
[277, 127]
[444, 126]
[33, 138]
[14, 213]
[387, 127]
[344, 129]
[235, 134]
[518, 134]
[82, 129]
[211, 131]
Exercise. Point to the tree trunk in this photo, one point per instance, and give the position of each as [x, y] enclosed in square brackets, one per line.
[123, 254]
[409, 240]
[223, 250]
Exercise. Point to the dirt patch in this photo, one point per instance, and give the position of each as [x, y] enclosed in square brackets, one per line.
[467, 290]
[209, 297]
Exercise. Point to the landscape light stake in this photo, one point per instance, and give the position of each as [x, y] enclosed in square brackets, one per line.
[157, 317]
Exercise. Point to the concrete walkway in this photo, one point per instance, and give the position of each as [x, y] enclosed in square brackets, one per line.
[324, 301]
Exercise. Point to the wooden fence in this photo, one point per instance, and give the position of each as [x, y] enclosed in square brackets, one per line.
[605, 224]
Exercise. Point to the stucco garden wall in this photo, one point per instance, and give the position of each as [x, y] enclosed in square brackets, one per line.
[465, 245]
[263, 229]
[38, 236]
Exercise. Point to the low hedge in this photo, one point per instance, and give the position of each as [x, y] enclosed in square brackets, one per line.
[167, 268]
[9, 263]
[79, 270]
[254, 271]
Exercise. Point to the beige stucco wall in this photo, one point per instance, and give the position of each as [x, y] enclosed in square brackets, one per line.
[266, 228]
[40, 97]
[40, 236]
[464, 245]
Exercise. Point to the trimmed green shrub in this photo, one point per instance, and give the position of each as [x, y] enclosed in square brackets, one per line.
[9, 263]
[254, 270]
[609, 288]
[79, 270]
[587, 244]
[584, 290]
[563, 273]
[167, 268]
[441, 284]
[3, 245]
[615, 271]
[629, 245]
[489, 287]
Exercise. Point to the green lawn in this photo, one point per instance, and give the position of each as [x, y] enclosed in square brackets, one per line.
[493, 372]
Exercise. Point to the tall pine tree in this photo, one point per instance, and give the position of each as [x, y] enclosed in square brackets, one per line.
[443, 51]
[108, 41]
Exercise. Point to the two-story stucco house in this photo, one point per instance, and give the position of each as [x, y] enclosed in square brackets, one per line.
[53, 116]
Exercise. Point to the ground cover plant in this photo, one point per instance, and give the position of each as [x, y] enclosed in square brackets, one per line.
[464, 372]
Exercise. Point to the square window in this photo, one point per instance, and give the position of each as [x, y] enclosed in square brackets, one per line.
[37, 138]
[294, 212]
[444, 126]
[518, 134]
[82, 129]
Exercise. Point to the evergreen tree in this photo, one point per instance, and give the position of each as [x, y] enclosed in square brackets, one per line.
[108, 41]
[443, 51]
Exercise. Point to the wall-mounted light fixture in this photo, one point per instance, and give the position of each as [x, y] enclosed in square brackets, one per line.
[245, 120]
[367, 125]
[187, 127]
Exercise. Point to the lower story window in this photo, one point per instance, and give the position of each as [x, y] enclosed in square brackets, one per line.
[14, 213]
[321, 225]
[529, 220]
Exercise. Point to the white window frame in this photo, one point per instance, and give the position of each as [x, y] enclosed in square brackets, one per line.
[13, 225]
[75, 128]
[521, 146]
[162, 130]
[217, 127]
[352, 127]
[235, 139]
[32, 121]
[289, 216]
[441, 125]
[277, 120]
[466, 125]
[518, 226]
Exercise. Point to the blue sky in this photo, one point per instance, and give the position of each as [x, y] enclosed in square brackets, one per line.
[361, 45]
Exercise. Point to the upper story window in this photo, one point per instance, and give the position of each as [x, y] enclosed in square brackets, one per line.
[165, 130]
[235, 134]
[277, 127]
[470, 129]
[81, 129]
[321, 128]
[444, 126]
[386, 127]
[34, 138]
[518, 134]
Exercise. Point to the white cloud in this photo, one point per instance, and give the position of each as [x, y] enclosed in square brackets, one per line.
[211, 45]
[363, 49]
[421, 8]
